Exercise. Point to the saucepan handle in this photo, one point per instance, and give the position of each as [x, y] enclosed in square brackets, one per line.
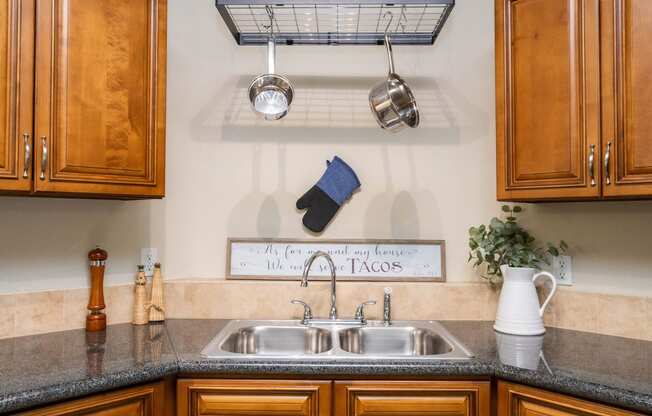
[390, 55]
[552, 292]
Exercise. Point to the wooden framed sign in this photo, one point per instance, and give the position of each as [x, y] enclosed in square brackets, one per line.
[355, 260]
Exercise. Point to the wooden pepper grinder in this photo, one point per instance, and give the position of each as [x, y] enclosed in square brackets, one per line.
[96, 319]
[156, 306]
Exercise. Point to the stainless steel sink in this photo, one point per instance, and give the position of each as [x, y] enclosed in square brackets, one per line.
[332, 340]
[407, 340]
[278, 340]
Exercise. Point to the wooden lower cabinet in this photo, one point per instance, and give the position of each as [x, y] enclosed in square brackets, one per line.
[258, 397]
[147, 400]
[423, 398]
[518, 400]
[254, 397]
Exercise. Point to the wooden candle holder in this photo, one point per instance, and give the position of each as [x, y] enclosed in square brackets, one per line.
[96, 319]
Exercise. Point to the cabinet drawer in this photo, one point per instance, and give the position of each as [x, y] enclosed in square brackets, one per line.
[423, 398]
[517, 400]
[145, 400]
[253, 397]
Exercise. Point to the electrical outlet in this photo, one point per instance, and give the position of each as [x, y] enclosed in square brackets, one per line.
[148, 257]
[562, 268]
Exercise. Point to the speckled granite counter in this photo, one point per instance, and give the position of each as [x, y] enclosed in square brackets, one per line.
[48, 368]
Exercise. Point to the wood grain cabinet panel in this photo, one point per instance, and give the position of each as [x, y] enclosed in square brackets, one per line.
[16, 95]
[423, 398]
[100, 100]
[627, 97]
[518, 400]
[547, 99]
[253, 398]
[145, 400]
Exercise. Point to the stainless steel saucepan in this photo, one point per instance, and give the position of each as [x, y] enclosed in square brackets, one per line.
[392, 101]
[271, 94]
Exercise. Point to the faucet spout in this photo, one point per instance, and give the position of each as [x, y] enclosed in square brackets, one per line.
[304, 279]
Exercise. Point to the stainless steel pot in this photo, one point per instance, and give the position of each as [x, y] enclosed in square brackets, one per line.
[271, 94]
[392, 101]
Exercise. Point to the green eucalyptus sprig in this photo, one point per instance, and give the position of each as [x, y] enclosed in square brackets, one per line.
[505, 242]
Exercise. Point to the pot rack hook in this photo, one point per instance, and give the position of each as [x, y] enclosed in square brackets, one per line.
[402, 19]
[270, 14]
[391, 18]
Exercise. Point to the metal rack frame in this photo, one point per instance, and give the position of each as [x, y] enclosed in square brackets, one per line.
[335, 22]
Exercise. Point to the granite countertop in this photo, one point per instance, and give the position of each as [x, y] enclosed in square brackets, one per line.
[42, 369]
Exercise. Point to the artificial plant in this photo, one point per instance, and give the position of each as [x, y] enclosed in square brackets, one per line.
[506, 242]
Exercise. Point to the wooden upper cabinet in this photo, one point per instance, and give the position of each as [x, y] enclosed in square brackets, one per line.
[627, 97]
[100, 97]
[518, 400]
[424, 398]
[16, 95]
[253, 397]
[145, 400]
[547, 99]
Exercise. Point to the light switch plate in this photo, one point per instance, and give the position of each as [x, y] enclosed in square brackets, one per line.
[148, 257]
[562, 268]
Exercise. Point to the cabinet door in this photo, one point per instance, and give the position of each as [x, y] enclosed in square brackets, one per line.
[138, 401]
[517, 400]
[253, 397]
[547, 99]
[424, 398]
[16, 94]
[627, 97]
[100, 101]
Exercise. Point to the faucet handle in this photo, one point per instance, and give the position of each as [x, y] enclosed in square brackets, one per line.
[359, 312]
[307, 311]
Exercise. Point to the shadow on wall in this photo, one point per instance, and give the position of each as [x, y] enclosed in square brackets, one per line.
[610, 241]
[392, 213]
[334, 109]
[395, 213]
[45, 241]
[265, 207]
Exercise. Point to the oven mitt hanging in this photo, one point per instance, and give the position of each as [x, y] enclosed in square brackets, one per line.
[324, 199]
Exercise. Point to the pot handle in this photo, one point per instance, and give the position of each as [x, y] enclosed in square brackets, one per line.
[552, 292]
[390, 55]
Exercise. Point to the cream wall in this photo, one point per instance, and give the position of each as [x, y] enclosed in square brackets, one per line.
[231, 175]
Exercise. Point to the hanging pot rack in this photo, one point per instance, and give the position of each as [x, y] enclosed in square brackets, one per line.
[335, 22]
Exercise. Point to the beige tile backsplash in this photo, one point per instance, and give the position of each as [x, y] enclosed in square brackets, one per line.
[40, 312]
[7, 314]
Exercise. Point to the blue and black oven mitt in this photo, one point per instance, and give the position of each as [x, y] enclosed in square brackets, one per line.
[326, 197]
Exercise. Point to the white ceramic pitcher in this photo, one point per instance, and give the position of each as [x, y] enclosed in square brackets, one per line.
[519, 312]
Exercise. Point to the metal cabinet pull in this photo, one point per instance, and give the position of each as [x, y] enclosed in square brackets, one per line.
[592, 165]
[607, 160]
[28, 155]
[44, 157]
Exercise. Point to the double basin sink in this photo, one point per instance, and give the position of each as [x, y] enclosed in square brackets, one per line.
[334, 340]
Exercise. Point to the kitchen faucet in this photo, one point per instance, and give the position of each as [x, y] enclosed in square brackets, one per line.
[331, 265]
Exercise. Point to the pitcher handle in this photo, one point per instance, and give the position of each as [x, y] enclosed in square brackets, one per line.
[552, 292]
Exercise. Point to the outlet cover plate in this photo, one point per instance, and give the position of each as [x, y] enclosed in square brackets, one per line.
[562, 268]
[148, 257]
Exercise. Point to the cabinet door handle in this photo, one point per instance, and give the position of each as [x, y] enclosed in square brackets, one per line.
[592, 164]
[28, 155]
[44, 157]
[607, 163]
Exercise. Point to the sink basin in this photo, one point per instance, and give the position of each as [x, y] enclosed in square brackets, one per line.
[409, 341]
[335, 340]
[278, 340]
